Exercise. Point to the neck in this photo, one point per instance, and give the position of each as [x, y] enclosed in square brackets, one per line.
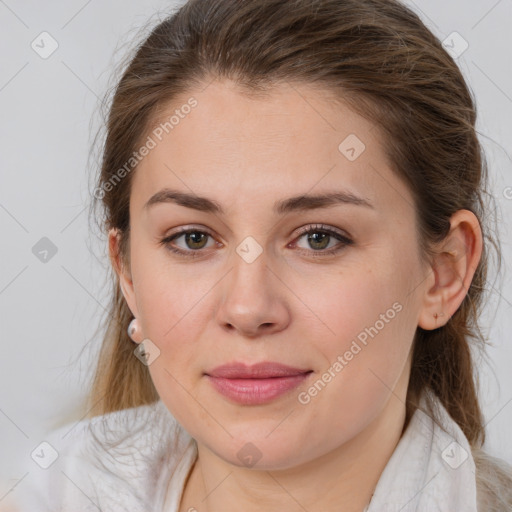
[343, 479]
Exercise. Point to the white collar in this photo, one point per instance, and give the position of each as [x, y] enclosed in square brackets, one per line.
[431, 469]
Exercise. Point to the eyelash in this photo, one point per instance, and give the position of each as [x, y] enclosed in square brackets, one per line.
[317, 228]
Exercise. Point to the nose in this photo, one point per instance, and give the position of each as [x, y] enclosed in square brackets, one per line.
[253, 299]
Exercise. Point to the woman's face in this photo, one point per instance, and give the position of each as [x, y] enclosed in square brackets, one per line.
[249, 286]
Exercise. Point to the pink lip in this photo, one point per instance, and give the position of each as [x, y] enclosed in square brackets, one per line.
[255, 384]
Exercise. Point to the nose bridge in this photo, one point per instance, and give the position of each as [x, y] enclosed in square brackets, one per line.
[251, 296]
[250, 275]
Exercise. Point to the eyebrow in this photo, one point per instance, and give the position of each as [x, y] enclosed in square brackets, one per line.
[301, 202]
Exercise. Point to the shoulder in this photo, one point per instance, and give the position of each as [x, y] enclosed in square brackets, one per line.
[493, 482]
[487, 481]
[111, 462]
[493, 476]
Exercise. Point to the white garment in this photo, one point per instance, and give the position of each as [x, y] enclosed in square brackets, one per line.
[150, 456]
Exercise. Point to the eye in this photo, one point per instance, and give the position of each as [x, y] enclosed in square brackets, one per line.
[194, 240]
[319, 237]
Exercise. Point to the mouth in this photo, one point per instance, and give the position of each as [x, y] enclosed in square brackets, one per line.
[255, 384]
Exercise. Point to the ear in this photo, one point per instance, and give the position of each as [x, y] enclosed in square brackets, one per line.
[454, 266]
[123, 273]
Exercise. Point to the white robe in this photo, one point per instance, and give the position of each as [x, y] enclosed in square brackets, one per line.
[137, 460]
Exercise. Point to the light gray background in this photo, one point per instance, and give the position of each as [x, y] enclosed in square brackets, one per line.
[49, 311]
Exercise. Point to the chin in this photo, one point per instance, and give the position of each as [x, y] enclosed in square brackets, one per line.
[255, 449]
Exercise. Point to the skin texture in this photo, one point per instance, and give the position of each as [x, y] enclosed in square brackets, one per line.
[286, 305]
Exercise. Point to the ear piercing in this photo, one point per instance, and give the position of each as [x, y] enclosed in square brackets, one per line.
[436, 315]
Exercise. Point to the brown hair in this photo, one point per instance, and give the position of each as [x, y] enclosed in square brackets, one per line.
[379, 58]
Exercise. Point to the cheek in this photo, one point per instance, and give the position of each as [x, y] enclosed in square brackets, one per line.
[371, 316]
[169, 294]
[173, 312]
[353, 304]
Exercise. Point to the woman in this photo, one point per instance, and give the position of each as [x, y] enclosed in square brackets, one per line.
[293, 193]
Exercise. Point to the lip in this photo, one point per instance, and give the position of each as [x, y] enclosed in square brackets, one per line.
[255, 384]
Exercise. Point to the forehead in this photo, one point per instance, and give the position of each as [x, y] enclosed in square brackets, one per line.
[292, 140]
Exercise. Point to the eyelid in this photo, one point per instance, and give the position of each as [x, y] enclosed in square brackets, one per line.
[322, 227]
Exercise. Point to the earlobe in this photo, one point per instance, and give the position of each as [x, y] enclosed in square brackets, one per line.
[454, 266]
[123, 274]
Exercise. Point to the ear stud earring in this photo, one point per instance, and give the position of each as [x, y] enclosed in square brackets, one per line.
[436, 315]
[132, 329]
